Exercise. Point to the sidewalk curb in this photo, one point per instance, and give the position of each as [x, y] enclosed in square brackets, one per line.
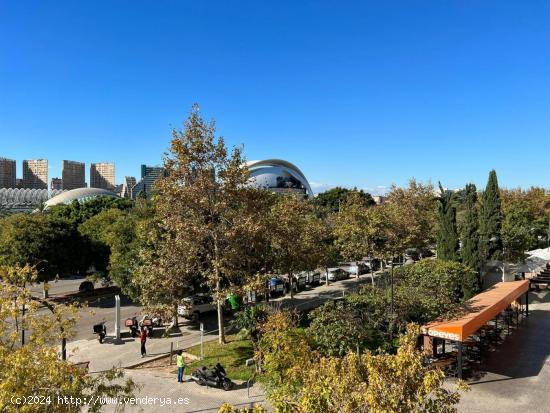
[146, 360]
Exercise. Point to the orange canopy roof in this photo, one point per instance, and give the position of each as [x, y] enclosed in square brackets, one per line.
[477, 311]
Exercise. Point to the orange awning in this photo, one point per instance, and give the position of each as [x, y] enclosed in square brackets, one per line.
[477, 311]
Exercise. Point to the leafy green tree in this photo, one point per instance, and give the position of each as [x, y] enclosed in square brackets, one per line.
[51, 244]
[358, 230]
[250, 319]
[436, 286]
[469, 237]
[447, 236]
[116, 238]
[339, 327]
[517, 231]
[334, 198]
[490, 220]
[78, 212]
[295, 236]
[411, 218]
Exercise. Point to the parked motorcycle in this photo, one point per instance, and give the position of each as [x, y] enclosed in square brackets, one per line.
[133, 325]
[149, 323]
[215, 377]
[101, 331]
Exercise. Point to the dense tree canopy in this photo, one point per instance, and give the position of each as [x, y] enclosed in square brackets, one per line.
[78, 212]
[333, 199]
[50, 243]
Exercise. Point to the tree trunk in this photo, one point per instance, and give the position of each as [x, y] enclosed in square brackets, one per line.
[221, 324]
[175, 320]
[290, 280]
[221, 332]
[326, 275]
[371, 272]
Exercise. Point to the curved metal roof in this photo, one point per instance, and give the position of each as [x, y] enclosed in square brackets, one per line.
[79, 194]
[285, 164]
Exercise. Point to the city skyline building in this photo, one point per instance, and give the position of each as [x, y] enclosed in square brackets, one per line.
[149, 175]
[7, 173]
[102, 175]
[56, 184]
[73, 175]
[35, 173]
[127, 186]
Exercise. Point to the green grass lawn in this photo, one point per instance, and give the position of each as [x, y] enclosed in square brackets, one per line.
[231, 356]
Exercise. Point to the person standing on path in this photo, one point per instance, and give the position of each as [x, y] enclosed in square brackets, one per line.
[180, 362]
[143, 339]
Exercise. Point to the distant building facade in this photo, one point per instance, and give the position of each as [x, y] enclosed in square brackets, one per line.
[379, 199]
[7, 173]
[149, 175]
[127, 185]
[56, 184]
[35, 174]
[102, 175]
[73, 175]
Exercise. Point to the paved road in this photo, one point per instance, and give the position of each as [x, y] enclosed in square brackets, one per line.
[63, 286]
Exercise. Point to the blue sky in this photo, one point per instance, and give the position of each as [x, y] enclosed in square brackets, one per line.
[365, 93]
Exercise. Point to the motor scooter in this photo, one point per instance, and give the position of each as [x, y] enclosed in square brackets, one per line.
[215, 377]
[132, 324]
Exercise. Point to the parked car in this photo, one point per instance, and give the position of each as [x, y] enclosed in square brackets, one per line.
[312, 277]
[335, 274]
[355, 268]
[299, 282]
[193, 307]
[276, 286]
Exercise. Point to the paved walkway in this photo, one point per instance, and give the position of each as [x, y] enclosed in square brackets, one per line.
[127, 351]
[187, 397]
[518, 373]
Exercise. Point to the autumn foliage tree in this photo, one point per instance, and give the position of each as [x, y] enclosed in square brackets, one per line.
[209, 220]
[299, 380]
[35, 368]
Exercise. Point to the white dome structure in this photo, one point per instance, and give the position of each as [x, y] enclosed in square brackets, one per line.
[279, 176]
[80, 195]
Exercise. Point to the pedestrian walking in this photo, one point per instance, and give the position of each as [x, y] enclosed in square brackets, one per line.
[143, 339]
[180, 362]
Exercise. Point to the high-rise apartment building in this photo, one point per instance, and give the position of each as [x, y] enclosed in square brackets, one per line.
[35, 174]
[56, 184]
[149, 175]
[7, 173]
[102, 175]
[72, 175]
[127, 185]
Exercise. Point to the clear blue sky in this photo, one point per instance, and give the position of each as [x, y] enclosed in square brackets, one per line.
[364, 93]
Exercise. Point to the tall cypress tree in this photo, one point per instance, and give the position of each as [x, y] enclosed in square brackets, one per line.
[447, 236]
[490, 221]
[469, 237]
